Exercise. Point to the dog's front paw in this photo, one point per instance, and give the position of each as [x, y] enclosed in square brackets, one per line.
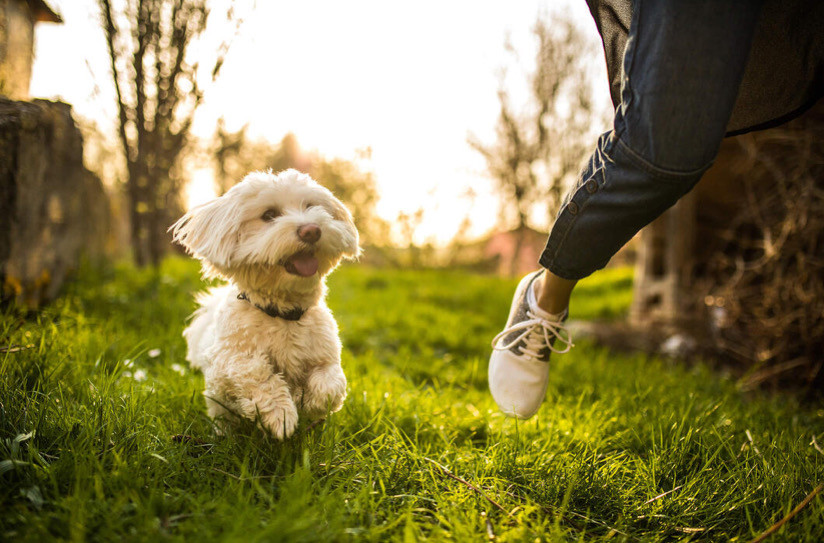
[324, 393]
[280, 421]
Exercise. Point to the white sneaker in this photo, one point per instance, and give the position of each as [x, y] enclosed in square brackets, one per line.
[519, 365]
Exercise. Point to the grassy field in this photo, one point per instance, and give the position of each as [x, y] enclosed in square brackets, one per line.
[103, 433]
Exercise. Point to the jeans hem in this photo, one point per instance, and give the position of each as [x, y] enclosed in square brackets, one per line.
[563, 273]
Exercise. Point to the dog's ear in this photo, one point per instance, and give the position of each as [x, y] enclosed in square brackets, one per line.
[351, 238]
[210, 231]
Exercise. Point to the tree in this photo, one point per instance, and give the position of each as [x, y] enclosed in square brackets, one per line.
[538, 152]
[227, 147]
[158, 89]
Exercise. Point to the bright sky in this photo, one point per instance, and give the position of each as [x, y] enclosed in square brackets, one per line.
[410, 80]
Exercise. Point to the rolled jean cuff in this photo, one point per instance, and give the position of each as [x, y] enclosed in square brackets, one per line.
[618, 193]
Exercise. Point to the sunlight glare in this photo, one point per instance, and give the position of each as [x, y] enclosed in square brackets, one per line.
[201, 188]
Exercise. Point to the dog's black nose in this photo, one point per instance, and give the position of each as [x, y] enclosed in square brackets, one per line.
[310, 233]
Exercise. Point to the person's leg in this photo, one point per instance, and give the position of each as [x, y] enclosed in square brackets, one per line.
[682, 68]
[553, 292]
[683, 65]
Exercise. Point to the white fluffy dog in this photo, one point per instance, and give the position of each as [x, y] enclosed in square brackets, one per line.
[266, 342]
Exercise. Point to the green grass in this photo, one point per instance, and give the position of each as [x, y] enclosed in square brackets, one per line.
[626, 448]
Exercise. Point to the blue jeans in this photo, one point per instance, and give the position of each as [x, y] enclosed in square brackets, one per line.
[683, 64]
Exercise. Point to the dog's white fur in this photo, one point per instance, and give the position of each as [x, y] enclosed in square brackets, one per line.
[256, 365]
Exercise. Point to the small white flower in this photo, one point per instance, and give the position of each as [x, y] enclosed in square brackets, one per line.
[139, 375]
[128, 363]
[178, 368]
[154, 353]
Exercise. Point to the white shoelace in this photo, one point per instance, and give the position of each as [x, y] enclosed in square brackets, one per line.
[537, 333]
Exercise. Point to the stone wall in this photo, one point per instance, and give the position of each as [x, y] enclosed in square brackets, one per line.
[52, 209]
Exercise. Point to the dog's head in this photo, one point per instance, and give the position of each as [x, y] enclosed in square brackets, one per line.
[282, 229]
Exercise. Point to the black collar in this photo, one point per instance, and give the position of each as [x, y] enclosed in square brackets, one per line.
[272, 310]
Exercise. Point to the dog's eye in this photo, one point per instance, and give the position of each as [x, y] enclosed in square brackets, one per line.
[307, 205]
[270, 214]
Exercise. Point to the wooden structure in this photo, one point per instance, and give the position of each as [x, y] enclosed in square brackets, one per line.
[673, 248]
[17, 20]
[664, 265]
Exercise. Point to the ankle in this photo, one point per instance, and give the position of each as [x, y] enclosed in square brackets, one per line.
[552, 293]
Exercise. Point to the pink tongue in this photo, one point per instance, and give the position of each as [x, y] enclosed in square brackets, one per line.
[305, 265]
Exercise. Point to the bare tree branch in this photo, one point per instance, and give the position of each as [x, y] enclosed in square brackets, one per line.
[158, 94]
[111, 38]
